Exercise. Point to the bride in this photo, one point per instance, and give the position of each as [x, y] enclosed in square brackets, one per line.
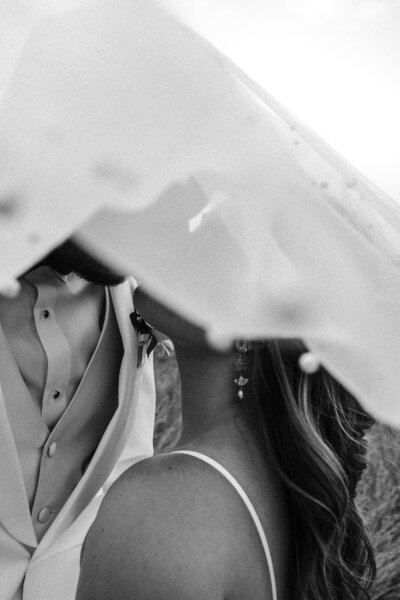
[257, 501]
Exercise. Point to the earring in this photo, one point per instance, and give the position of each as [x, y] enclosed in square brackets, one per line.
[241, 366]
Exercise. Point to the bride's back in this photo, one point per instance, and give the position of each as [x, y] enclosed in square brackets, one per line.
[174, 527]
[235, 452]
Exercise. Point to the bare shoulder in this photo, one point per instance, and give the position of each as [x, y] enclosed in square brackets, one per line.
[157, 532]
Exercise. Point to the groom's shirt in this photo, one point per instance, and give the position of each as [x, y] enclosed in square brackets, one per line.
[60, 359]
[52, 328]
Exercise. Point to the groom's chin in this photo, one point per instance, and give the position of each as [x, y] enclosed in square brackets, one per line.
[70, 257]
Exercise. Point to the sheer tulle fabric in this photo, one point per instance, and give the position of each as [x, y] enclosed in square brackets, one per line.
[179, 169]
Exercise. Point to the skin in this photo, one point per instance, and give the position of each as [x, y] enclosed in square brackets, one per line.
[70, 257]
[171, 526]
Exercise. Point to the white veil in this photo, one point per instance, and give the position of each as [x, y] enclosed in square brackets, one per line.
[173, 165]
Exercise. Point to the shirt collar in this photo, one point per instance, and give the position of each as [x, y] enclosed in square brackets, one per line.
[50, 276]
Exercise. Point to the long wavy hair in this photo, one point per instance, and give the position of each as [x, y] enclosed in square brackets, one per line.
[314, 434]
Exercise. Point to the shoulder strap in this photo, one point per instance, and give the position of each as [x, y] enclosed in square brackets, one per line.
[248, 503]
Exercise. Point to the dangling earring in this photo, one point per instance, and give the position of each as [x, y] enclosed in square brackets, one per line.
[241, 366]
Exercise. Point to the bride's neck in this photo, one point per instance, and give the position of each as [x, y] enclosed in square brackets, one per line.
[208, 390]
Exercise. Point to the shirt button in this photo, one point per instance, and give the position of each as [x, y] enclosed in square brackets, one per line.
[52, 449]
[56, 394]
[44, 515]
[45, 313]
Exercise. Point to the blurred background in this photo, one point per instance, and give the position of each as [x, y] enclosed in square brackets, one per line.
[378, 494]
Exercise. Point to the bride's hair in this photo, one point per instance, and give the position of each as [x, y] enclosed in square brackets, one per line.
[314, 432]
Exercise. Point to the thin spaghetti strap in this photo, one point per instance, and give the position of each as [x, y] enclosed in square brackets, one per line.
[249, 505]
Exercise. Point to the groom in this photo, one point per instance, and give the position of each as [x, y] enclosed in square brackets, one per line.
[76, 409]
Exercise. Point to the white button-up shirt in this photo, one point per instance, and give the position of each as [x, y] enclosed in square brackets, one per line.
[52, 328]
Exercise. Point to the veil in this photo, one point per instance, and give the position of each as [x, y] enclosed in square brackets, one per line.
[125, 127]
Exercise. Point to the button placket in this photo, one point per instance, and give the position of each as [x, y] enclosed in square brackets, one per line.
[58, 354]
